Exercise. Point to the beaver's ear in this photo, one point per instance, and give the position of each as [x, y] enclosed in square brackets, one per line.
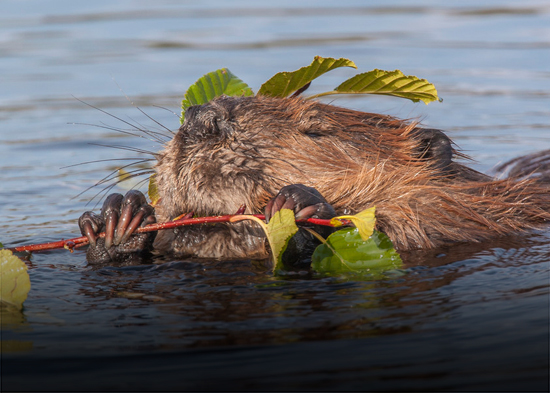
[435, 146]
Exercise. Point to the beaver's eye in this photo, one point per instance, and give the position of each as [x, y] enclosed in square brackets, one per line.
[216, 125]
[222, 126]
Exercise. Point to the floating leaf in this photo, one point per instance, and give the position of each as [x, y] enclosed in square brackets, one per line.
[364, 221]
[15, 346]
[212, 85]
[283, 84]
[15, 283]
[345, 251]
[393, 83]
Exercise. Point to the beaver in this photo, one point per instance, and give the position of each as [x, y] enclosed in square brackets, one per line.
[321, 161]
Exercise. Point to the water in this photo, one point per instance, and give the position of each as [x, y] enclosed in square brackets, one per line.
[468, 318]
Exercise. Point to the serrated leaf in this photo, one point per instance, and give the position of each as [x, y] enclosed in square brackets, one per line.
[283, 84]
[345, 251]
[392, 83]
[363, 221]
[212, 85]
[15, 283]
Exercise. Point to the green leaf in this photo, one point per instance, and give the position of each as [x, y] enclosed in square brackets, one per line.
[283, 84]
[346, 252]
[212, 85]
[280, 230]
[123, 175]
[152, 190]
[392, 83]
[15, 283]
[363, 221]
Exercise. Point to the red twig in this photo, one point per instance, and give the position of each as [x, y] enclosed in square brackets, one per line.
[81, 241]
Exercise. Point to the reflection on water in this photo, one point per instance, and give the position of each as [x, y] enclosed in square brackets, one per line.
[488, 303]
[469, 317]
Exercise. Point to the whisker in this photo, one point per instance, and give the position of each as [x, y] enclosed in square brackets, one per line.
[113, 175]
[103, 191]
[127, 176]
[109, 187]
[139, 161]
[169, 110]
[128, 148]
[133, 126]
[154, 136]
[155, 121]
[105, 112]
[139, 109]
[141, 182]
[158, 134]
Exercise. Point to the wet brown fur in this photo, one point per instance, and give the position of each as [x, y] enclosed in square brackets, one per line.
[244, 150]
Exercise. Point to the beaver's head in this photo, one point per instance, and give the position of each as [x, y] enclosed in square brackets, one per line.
[232, 151]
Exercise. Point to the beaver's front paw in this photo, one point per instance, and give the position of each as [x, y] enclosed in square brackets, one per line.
[306, 202]
[120, 217]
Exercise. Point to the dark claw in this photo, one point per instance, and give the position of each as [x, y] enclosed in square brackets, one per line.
[275, 205]
[90, 225]
[110, 212]
[124, 220]
[305, 201]
[268, 208]
[132, 201]
[144, 211]
[289, 204]
[110, 223]
[307, 212]
[88, 231]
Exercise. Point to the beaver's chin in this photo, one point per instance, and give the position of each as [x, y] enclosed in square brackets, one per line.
[219, 203]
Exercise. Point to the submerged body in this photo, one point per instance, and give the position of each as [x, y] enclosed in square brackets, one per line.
[319, 160]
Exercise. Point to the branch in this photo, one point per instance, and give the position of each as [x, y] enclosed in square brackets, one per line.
[70, 244]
